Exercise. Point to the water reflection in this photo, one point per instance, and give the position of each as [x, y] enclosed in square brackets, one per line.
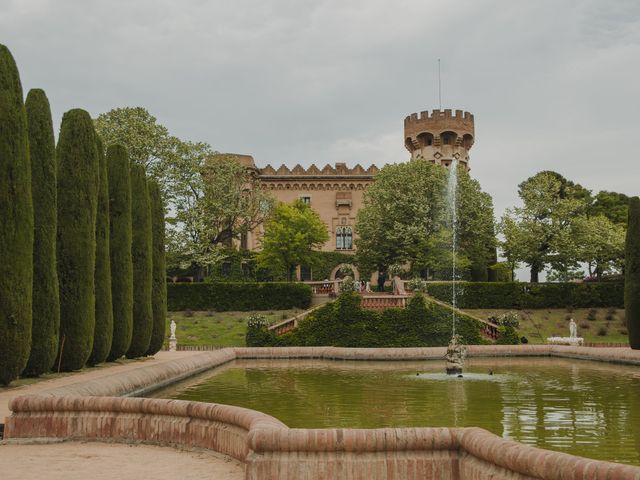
[584, 408]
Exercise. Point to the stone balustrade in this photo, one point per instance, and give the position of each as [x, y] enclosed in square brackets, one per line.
[271, 450]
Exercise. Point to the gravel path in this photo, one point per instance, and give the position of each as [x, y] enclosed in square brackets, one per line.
[105, 461]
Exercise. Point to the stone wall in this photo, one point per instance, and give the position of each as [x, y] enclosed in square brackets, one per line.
[271, 450]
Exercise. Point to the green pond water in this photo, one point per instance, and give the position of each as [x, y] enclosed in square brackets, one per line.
[583, 408]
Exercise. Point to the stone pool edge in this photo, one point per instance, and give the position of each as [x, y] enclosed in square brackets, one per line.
[99, 409]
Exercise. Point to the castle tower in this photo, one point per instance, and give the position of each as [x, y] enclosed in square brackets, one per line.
[440, 136]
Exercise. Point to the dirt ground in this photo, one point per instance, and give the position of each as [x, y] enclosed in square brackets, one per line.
[102, 461]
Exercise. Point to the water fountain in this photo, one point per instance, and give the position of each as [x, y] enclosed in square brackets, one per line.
[455, 351]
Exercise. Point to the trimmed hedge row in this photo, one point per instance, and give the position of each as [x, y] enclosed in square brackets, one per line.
[344, 323]
[531, 295]
[245, 296]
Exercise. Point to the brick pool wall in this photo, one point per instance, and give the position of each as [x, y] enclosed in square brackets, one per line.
[271, 450]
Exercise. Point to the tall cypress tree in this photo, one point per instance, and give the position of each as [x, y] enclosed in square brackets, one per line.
[142, 263]
[103, 334]
[16, 217]
[120, 249]
[46, 305]
[632, 274]
[78, 168]
[159, 285]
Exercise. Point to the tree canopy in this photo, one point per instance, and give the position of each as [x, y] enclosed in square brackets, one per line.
[406, 218]
[291, 234]
[561, 226]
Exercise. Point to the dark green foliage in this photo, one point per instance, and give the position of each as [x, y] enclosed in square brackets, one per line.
[16, 216]
[120, 249]
[632, 274]
[46, 305]
[103, 334]
[507, 335]
[159, 285]
[531, 295]
[142, 263]
[324, 263]
[344, 323]
[224, 297]
[78, 170]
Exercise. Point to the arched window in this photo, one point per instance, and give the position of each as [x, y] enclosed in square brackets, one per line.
[344, 238]
[339, 239]
[348, 238]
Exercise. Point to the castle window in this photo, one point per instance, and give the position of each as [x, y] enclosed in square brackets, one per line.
[344, 238]
[306, 199]
[244, 244]
[448, 138]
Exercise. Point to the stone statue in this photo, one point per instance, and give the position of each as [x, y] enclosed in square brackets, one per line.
[573, 329]
[456, 352]
[398, 286]
[173, 342]
[172, 328]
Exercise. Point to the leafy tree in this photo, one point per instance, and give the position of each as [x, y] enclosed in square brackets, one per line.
[613, 205]
[600, 244]
[147, 142]
[291, 234]
[632, 274]
[103, 333]
[539, 233]
[159, 285]
[403, 211]
[216, 200]
[120, 240]
[78, 168]
[46, 304]
[141, 255]
[16, 214]
[406, 218]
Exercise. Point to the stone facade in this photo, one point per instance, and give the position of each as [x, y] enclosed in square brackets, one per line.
[336, 192]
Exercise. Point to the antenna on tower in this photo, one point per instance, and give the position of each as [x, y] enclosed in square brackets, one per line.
[439, 87]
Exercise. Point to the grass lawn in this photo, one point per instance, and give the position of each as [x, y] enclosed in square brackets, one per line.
[597, 325]
[220, 329]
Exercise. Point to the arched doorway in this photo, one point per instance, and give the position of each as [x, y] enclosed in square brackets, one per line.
[336, 274]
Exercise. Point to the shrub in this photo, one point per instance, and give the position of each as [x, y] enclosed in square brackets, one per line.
[120, 232]
[78, 169]
[609, 316]
[142, 263]
[46, 303]
[508, 319]
[519, 295]
[258, 333]
[592, 315]
[344, 323]
[602, 331]
[103, 334]
[159, 286]
[224, 297]
[16, 233]
[417, 284]
[585, 325]
[507, 335]
[632, 274]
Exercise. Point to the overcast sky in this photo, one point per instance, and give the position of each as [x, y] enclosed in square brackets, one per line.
[552, 84]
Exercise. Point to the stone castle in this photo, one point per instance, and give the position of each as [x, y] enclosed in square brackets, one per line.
[336, 192]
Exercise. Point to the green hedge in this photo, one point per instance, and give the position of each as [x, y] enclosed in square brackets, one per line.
[46, 303]
[223, 297]
[16, 218]
[632, 269]
[531, 295]
[344, 323]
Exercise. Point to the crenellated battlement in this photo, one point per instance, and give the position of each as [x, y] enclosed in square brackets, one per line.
[339, 170]
[438, 121]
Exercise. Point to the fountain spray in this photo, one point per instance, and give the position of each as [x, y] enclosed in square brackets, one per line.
[456, 350]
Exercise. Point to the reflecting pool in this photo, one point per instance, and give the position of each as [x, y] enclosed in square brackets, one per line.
[583, 408]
